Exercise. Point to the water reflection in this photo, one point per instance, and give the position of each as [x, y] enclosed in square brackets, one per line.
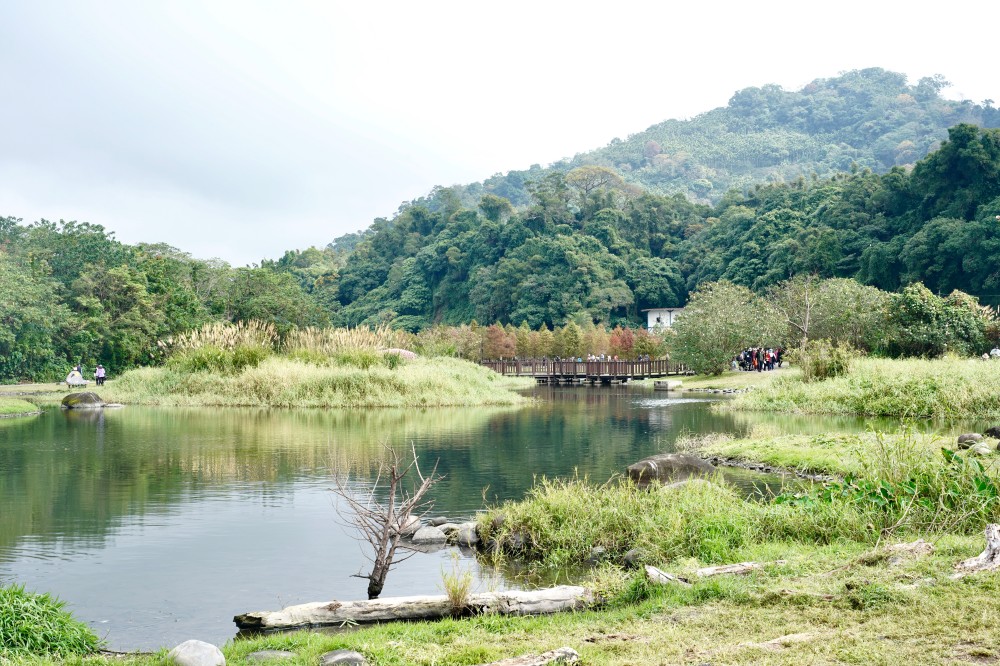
[159, 525]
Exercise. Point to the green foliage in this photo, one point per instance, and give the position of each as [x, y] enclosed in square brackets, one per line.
[210, 358]
[821, 359]
[34, 625]
[718, 322]
[901, 487]
[922, 324]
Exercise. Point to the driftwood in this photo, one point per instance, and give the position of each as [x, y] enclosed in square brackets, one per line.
[738, 569]
[663, 578]
[426, 607]
[563, 655]
[988, 560]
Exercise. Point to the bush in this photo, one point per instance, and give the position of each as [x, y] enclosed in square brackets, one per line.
[36, 624]
[820, 359]
[219, 360]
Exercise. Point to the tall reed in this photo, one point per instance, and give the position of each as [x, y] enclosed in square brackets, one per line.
[225, 335]
[332, 341]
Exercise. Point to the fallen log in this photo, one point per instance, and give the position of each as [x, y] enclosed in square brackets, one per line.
[988, 560]
[562, 655]
[425, 607]
[738, 569]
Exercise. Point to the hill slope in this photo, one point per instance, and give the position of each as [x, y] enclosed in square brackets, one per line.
[868, 118]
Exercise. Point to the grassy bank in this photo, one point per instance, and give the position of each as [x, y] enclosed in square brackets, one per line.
[875, 614]
[16, 407]
[834, 453]
[943, 388]
[288, 382]
[838, 603]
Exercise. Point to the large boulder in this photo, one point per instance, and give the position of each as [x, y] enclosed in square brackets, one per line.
[196, 653]
[84, 400]
[669, 467]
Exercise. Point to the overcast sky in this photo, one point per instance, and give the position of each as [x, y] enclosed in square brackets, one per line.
[242, 129]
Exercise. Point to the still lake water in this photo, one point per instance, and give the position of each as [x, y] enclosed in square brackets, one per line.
[159, 524]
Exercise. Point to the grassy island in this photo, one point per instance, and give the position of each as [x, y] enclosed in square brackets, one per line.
[283, 382]
[247, 365]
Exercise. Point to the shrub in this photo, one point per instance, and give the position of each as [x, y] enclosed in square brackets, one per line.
[219, 360]
[820, 359]
[37, 624]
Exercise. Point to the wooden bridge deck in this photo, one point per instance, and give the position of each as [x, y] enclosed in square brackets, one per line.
[605, 372]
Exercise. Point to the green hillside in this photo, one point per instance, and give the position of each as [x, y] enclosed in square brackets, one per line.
[868, 118]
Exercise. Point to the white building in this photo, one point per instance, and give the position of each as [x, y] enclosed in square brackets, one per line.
[662, 317]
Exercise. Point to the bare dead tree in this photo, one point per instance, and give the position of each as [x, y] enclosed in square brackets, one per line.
[382, 525]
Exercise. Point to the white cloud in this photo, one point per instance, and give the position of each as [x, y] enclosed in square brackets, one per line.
[241, 129]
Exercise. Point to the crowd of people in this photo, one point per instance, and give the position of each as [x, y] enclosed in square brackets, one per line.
[758, 358]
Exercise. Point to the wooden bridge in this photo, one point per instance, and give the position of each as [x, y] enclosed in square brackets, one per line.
[570, 371]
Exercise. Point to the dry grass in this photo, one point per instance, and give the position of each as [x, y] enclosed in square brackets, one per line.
[331, 341]
[226, 336]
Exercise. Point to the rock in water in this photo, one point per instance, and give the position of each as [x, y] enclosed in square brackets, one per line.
[85, 400]
[429, 534]
[196, 653]
[669, 467]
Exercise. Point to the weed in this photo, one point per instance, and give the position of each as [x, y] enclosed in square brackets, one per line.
[38, 624]
[457, 585]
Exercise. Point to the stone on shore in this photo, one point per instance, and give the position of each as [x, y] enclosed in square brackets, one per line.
[196, 653]
[342, 657]
[969, 439]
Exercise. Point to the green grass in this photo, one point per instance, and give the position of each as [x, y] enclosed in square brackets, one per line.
[559, 522]
[834, 453]
[16, 407]
[354, 380]
[944, 388]
[38, 624]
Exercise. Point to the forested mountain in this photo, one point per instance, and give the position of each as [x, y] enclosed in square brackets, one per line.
[868, 118]
[590, 246]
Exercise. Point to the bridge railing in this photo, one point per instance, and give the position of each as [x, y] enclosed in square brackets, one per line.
[572, 368]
